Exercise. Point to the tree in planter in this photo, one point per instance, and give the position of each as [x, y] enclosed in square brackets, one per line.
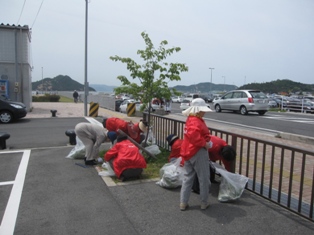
[153, 75]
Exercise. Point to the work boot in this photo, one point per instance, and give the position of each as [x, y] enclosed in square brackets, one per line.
[91, 162]
[183, 206]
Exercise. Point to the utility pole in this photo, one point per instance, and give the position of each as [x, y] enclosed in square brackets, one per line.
[42, 79]
[211, 80]
[85, 82]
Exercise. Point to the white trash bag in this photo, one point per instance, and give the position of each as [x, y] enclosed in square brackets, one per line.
[108, 171]
[231, 186]
[171, 174]
[78, 152]
[153, 149]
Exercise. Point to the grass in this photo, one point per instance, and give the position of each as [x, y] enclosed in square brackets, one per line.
[153, 164]
[65, 99]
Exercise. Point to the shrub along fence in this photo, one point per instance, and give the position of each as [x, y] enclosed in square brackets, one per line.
[280, 173]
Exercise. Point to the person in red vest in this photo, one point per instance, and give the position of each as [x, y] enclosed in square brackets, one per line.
[134, 130]
[221, 151]
[125, 159]
[175, 144]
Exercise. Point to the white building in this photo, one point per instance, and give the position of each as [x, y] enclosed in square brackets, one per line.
[15, 68]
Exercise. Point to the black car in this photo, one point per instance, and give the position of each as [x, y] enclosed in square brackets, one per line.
[117, 105]
[11, 110]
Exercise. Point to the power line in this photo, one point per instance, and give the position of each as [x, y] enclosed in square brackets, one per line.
[37, 13]
[21, 13]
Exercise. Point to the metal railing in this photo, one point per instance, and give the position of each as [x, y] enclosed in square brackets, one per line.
[280, 173]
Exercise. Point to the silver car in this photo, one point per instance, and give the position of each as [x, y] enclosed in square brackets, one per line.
[243, 101]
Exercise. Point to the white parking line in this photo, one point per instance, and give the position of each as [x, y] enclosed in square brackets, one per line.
[6, 183]
[11, 211]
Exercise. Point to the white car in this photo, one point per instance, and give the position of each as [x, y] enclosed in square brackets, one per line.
[176, 99]
[185, 104]
[124, 105]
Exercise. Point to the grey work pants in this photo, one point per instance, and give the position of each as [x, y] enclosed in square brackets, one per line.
[198, 164]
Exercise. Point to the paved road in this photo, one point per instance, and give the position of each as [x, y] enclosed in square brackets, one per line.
[271, 122]
[42, 192]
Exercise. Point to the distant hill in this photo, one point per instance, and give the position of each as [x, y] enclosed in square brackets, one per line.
[280, 86]
[59, 83]
[204, 87]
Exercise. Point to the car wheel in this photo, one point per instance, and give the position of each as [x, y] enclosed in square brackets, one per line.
[6, 117]
[243, 110]
[217, 108]
[261, 112]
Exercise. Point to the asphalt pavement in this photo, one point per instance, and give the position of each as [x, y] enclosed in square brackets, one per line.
[43, 192]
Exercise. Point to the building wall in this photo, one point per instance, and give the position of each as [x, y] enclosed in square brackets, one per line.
[15, 62]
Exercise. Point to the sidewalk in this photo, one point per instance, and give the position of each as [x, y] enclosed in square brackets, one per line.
[141, 207]
[42, 110]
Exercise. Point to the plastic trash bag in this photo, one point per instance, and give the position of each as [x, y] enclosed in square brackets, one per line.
[171, 174]
[231, 186]
[78, 152]
[108, 171]
[153, 149]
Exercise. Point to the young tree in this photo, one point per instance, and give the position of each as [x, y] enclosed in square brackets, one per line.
[153, 75]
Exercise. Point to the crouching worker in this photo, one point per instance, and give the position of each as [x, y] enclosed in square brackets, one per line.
[175, 143]
[125, 159]
[219, 151]
[135, 130]
[92, 136]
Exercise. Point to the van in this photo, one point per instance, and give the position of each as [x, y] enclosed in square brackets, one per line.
[191, 96]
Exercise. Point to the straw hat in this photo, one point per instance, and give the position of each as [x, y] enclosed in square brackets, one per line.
[197, 105]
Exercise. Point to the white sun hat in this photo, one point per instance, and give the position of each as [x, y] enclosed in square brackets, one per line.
[197, 105]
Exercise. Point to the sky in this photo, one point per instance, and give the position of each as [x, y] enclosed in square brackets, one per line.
[244, 41]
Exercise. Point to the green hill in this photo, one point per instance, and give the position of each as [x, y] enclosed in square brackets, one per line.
[58, 83]
[280, 86]
[204, 87]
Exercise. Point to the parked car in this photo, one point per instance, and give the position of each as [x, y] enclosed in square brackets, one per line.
[11, 110]
[124, 105]
[191, 96]
[242, 101]
[185, 104]
[272, 103]
[117, 105]
[176, 99]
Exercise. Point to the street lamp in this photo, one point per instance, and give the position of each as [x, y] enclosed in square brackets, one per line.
[85, 82]
[224, 82]
[42, 79]
[211, 79]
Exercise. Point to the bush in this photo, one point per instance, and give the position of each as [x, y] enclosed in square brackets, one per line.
[46, 98]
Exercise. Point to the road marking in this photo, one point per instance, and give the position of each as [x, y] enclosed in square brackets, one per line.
[11, 211]
[6, 183]
[291, 119]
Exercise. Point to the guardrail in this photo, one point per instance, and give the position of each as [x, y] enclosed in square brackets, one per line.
[302, 107]
[280, 173]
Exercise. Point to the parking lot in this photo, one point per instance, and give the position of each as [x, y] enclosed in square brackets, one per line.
[42, 192]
